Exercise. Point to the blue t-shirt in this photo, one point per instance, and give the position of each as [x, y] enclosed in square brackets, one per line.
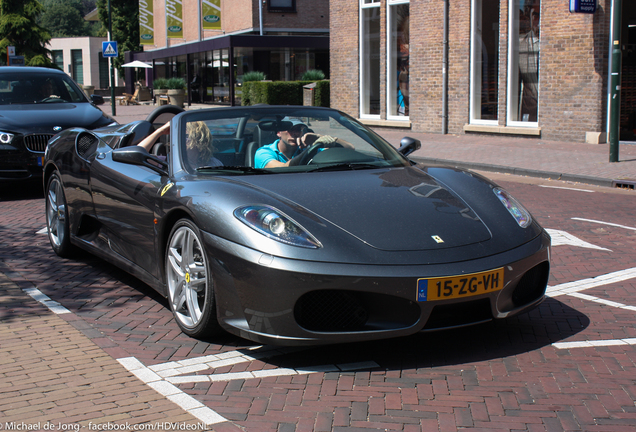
[268, 153]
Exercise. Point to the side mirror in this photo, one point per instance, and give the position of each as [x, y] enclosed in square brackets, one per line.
[408, 145]
[135, 155]
[97, 99]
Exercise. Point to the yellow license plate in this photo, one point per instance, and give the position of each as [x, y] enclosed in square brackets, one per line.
[452, 287]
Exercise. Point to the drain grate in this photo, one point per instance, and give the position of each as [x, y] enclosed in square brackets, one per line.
[624, 184]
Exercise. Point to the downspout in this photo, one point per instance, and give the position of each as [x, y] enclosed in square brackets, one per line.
[260, 16]
[445, 73]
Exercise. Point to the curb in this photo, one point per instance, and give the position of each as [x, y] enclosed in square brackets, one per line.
[551, 175]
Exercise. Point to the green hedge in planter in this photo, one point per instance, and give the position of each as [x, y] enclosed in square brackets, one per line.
[282, 93]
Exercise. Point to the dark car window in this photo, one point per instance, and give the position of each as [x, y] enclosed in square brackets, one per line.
[38, 88]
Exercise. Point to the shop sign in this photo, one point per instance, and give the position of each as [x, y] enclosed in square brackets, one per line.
[583, 6]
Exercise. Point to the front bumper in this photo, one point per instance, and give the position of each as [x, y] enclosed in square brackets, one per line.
[20, 165]
[284, 301]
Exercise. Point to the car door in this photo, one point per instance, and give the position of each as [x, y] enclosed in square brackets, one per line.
[124, 196]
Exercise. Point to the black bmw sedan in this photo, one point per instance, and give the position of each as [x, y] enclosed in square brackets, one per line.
[35, 104]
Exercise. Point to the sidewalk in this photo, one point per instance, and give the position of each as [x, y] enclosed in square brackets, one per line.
[54, 377]
[570, 161]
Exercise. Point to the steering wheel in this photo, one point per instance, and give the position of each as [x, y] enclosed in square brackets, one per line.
[310, 152]
[52, 99]
[166, 109]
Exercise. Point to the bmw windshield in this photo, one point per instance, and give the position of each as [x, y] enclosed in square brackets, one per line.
[38, 88]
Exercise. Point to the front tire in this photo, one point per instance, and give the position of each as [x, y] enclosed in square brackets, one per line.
[57, 217]
[190, 282]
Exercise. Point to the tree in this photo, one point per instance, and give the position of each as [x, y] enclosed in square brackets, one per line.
[62, 19]
[65, 18]
[125, 14]
[18, 28]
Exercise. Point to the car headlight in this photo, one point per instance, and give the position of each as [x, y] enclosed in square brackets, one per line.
[276, 225]
[6, 137]
[521, 215]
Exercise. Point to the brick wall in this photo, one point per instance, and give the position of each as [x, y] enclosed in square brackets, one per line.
[344, 56]
[572, 67]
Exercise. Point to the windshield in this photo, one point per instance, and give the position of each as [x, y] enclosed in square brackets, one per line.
[38, 88]
[278, 140]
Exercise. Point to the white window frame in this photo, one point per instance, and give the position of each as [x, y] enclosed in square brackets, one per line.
[364, 4]
[476, 26]
[513, 65]
[391, 73]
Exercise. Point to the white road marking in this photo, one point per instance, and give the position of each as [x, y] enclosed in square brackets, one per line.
[44, 230]
[562, 238]
[573, 289]
[164, 377]
[53, 306]
[596, 343]
[576, 286]
[566, 188]
[605, 223]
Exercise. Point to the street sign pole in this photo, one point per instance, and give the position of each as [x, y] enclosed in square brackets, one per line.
[615, 82]
[112, 63]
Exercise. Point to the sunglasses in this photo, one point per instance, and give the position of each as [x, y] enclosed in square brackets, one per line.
[298, 130]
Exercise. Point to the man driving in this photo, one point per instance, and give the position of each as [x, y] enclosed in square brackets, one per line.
[286, 150]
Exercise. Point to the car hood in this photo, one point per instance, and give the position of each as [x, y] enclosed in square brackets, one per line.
[400, 209]
[42, 118]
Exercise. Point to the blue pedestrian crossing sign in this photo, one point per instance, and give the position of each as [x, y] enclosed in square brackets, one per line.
[109, 49]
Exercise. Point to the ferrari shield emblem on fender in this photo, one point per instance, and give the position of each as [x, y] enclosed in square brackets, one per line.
[438, 239]
[166, 188]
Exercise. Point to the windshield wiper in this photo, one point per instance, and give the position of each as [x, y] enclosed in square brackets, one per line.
[243, 169]
[347, 165]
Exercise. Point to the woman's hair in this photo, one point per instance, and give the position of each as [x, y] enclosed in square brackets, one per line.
[199, 138]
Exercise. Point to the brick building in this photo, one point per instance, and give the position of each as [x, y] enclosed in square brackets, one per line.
[281, 38]
[518, 67]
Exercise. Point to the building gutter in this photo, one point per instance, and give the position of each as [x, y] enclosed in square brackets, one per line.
[445, 73]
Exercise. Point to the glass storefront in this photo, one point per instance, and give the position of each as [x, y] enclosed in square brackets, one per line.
[208, 73]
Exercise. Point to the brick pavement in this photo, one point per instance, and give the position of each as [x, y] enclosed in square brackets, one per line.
[503, 376]
[53, 374]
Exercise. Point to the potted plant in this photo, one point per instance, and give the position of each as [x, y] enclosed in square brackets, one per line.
[176, 91]
[159, 87]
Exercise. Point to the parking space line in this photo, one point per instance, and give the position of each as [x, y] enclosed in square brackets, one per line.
[596, 343]
[576, 286]
[604, 223]
[163, 377]
[603, 301]
[563, 238]
[53, 306]
[171, 392]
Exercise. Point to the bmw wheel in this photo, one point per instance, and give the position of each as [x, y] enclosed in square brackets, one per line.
[57, 217]
[190, 282]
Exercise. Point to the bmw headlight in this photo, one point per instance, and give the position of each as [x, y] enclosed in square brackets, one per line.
[6, 137]
[521, 215]
[276, 225]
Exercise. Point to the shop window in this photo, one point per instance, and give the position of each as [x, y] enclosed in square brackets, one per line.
[523, 63]
[281, 5]
[484, 71]
[58, 58]
[398, 59]
[369, 58]
[77, 66]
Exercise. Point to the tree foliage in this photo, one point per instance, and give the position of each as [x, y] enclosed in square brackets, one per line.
[65, 18]
[18, 28]
[125, 14]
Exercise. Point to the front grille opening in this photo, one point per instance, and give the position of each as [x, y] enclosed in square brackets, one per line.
[459, 314]
[532, 285]
[350, 311]
[37, 142]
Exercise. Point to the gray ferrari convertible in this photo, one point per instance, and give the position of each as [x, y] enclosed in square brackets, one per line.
[292, 225]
